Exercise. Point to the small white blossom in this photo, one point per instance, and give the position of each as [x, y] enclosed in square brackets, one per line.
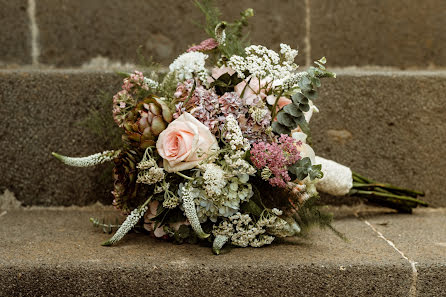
[288, 53]
[187, 65]
[190, 210]
[150, 83]
[214, 179]
[151, 176]
[262, 62]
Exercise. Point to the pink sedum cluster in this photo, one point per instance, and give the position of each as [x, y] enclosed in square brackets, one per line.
[277, 157]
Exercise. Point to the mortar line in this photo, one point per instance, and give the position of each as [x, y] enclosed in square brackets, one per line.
[3, 213]
[307, 40]
[35, 51]
[413, 286]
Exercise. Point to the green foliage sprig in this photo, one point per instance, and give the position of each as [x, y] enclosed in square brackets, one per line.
[292, 115]
[303, 168]
[235, 39]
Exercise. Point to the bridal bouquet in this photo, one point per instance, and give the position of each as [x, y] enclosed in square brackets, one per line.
[216, 148]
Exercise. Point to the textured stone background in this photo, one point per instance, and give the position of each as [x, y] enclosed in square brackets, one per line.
[386, 125]
[403, 34]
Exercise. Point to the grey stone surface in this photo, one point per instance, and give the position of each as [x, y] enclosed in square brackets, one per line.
[422, 238]
[385, 32]
[40, 113]
[395, 126]
[14, 33]
[74, 32]
[57, 252]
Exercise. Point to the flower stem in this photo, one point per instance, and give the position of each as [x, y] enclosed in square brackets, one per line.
[389, 195]
[385, 194]
[273, 111]
[183, 175]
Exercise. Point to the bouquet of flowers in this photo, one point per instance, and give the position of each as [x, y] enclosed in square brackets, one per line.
[223, 155]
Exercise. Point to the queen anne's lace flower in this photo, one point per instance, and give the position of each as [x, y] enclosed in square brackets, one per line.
[262, 62]
[189, 64]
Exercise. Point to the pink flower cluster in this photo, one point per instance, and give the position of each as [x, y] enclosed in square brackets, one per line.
[211, 109]
[202, 104]
[135, 79]
[124, 100]
[205, 45]
[277, 156]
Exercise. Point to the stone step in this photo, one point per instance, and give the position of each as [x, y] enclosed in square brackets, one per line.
[57, 252]
[384, 33]
[386, 125]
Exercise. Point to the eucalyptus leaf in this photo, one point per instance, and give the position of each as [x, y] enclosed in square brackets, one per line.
[303, 168]
[280, 129]
[293, 110]
[312, 94]
[304, 107]
[297, 98]
[286, 119]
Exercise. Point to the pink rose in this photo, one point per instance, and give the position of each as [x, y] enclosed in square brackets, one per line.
[254, 91]
[184, 143]
[305, 150]
[217, 72]
[283, 101]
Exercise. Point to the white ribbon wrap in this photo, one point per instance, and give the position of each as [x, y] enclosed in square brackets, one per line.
[337, 180]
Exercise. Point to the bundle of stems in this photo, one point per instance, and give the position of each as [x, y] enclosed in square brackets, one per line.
[400, 199]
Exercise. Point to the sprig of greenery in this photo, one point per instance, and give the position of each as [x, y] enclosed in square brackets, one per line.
[236, 40]
[303, 168]
[292, 115]
[106, 227]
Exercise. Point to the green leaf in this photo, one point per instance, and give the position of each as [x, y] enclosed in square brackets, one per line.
[312, 94]
[298, 98]
[304, 107]
[316, 82]
[293, 109]
[225, 83]
[303, 168]
[305, 84]
[287, 120]
[280, 129]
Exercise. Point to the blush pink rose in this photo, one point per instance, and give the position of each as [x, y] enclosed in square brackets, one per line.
[254, 91]
[283, 101]
[184, 143]
[219, 71]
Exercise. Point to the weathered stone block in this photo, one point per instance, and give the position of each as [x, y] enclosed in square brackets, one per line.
[74, 32]
[65, 258]
[388, 126]
[385, 33]
[15, 36]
